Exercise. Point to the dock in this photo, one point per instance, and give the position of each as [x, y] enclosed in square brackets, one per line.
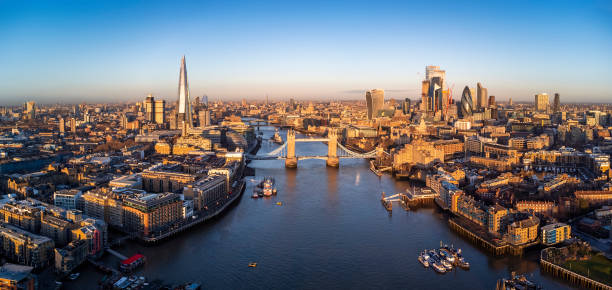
[568, 275]
[419, 196]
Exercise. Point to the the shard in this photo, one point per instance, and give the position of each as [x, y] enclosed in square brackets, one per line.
[184, 104]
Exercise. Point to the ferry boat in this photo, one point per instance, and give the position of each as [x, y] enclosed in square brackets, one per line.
[132, 262]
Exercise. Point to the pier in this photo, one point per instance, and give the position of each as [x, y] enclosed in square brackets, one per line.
[498, 248]
[419, 196]
[116, 254]
[572, 277]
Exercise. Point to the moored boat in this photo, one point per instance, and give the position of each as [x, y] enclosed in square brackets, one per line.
[423, 261]
[439, 268]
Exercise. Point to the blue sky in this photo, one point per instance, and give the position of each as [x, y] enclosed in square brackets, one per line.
[67, 51]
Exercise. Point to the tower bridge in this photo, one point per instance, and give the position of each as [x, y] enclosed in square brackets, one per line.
[335, 151]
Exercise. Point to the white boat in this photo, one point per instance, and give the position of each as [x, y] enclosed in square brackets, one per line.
[423, 261]
[446, 264]
[439, 268]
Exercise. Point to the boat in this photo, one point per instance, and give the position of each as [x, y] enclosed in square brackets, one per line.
[277, 138]
[74, 276]
[279, 203]
[268, 186]
[463, 264]
[439, 268]
[252, 264]
[423, 261]
[447, 265]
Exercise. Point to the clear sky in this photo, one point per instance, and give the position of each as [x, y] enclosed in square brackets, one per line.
[92, 51]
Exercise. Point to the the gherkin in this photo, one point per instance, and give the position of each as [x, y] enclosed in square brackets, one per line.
[467, 108]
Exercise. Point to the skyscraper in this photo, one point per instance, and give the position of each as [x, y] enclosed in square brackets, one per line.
[492, 102]
[149, 108]
[378, 101]
[369, 104]
[184, 104]
[481, 99]
[435, 94]
[432, 71]
[160, 111]
[30, 108]
[62, 125]
[436, 98]
[406, 106]
[541, 102]
[557, 103]
[424, 96]
[467, 107]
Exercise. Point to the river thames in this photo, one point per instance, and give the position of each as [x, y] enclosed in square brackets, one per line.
[331, 232]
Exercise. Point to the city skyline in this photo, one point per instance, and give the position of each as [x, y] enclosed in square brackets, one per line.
[104, 52]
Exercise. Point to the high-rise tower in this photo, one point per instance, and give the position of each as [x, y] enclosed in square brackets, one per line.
[481, 100]
[556, 103]
[467, 106]
[368, 103]
[541, 102]
[184, 104]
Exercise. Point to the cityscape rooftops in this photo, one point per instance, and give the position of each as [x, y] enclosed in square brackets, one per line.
[15, 272]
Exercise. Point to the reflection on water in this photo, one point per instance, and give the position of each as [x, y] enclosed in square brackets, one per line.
[330, 232]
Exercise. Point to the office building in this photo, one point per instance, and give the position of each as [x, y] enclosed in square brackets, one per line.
[376, 101]
[62, 125]
[467, 107]
[425, 103]
[435, 94]
[481, 98]
[160, 113]
[184, 103]
[368, 96]
[557, 104]
[492, 102]
[432, 71]
[541, 102]
[204, 118]
[30, 110]
[406, 106]
[149, 107]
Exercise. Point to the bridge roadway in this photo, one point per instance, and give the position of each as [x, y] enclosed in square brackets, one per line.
[321, 157]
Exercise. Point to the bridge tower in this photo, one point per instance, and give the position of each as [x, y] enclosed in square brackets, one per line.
[291, 160]
[332, 148]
